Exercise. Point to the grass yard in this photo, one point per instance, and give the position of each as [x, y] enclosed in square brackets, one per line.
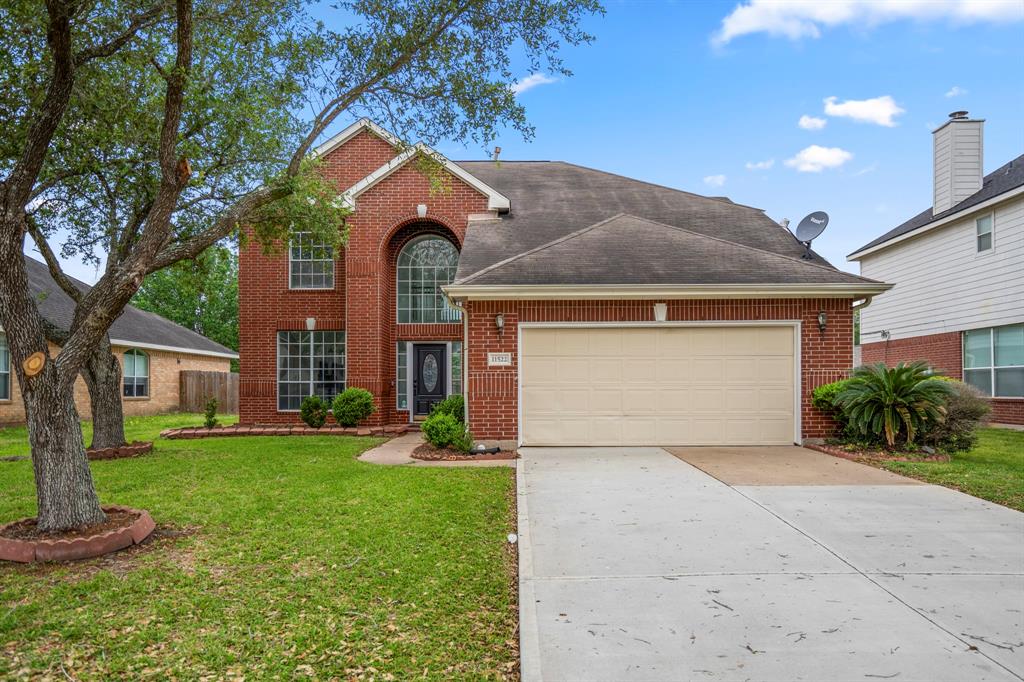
[993, 471]
[276, 557]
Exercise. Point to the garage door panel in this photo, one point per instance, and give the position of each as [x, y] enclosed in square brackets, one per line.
[663, 386]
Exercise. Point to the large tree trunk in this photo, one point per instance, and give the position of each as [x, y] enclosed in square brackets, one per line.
[102, 374]
[65, 493]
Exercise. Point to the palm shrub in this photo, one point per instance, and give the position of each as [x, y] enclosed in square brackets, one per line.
[352, 405]
[313, 411]
[894, 403]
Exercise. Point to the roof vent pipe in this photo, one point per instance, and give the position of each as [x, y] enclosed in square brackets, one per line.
[785, 223]
[497, 153]
[957, 115]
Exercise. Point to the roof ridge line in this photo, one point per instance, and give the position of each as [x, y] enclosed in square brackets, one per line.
[536, 249]
[754, 248]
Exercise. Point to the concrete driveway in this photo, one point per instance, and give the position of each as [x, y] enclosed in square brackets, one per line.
[636, 565]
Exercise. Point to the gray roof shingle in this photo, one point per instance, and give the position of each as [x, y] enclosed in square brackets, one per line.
[552, 199]
[1003, 179]
[133, 325]
[658, 254]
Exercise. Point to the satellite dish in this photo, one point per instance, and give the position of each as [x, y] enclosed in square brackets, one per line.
[809, 229]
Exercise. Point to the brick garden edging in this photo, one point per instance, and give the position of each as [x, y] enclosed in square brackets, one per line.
[871, 455]
[281, 430]
[131, 450]
[28, 551]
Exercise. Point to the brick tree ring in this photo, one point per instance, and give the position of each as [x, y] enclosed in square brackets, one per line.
[69, 547]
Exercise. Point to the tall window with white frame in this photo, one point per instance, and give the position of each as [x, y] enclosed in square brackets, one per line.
[424, 266]
[310, 263]
[309, 363]
[983, 230]
[994, 360]
[5, 369]
[136, 374]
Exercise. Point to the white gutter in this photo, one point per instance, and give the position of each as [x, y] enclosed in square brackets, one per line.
[541, 292]
[959, 215]
[861, 305]
[173, 349]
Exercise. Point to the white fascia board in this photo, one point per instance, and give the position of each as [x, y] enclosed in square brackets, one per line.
[543, 292]
[959, 215]
[496, 201]
[172, 349]
[353, 130]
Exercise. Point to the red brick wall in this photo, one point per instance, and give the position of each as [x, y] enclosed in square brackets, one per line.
[944, 352]
[492, 394]
[384, 220]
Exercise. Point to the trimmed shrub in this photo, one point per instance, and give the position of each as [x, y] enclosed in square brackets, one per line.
[210, 413]
[453, 405]
[352, 406]
[894, 403]
[966, 409]
[443, 430]
[824, 397]
[313, 411]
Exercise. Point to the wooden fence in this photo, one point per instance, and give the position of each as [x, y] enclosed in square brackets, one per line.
[197, 387]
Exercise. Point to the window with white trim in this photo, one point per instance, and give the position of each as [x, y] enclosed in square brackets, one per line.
[994, 360]
[136, 374]
[309, 363]
[402, 383]
[310, 263]
[983, 230]
[424, 266]
[5, 369]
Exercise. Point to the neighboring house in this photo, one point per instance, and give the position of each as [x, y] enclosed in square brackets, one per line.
[569, 306]
[153, 352]
[958, 274]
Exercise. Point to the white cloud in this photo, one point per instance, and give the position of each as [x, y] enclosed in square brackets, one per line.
[760, 165]
[815, 159]
[811, 122]
[795, 19]
[956, 91]
[878, 110]
[714, 180]
[532, 81]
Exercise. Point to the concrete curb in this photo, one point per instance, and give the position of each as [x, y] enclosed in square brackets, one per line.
[529, 644]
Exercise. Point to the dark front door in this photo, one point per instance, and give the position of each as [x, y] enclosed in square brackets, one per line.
[430, 380]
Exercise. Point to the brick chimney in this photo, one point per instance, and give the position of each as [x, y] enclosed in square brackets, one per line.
[958, 153]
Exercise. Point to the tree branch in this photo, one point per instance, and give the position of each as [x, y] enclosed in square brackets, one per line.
[109, 47]
[51, 261]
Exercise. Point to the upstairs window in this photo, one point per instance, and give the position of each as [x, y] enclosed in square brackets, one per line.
[424, 266]
[983, 229]
[5, 369]
[994, 360]
[136, 374]
[310, 263]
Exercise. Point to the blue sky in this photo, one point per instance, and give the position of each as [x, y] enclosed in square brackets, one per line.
[654, 99]
[664, 95]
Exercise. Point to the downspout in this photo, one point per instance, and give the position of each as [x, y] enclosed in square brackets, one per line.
[862, 304]
[465, 353]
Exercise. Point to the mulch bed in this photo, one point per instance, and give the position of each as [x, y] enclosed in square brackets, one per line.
[876, 455]
[281, 430]
[133, 449]
[22, 541]
[429, 453]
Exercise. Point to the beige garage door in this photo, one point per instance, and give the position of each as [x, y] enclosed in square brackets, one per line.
[657, 386]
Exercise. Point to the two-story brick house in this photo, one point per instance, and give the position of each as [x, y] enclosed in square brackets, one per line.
[958, 274]
[569, 306]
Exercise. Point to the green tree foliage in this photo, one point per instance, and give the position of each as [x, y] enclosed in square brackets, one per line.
[895, 403]
[200, 294]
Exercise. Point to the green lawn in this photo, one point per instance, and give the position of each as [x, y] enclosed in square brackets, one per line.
[994, 470]
[277, 557]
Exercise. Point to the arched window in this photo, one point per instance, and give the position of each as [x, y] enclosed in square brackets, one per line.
[136, 374]
[424, 266]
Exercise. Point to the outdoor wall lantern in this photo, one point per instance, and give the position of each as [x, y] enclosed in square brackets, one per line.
[822, 321]
[660, 312]
[310, 324]
[499, 322]
[421, 210]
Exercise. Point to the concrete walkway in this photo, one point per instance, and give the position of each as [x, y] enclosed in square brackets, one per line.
[398, 451]
[635, 565]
